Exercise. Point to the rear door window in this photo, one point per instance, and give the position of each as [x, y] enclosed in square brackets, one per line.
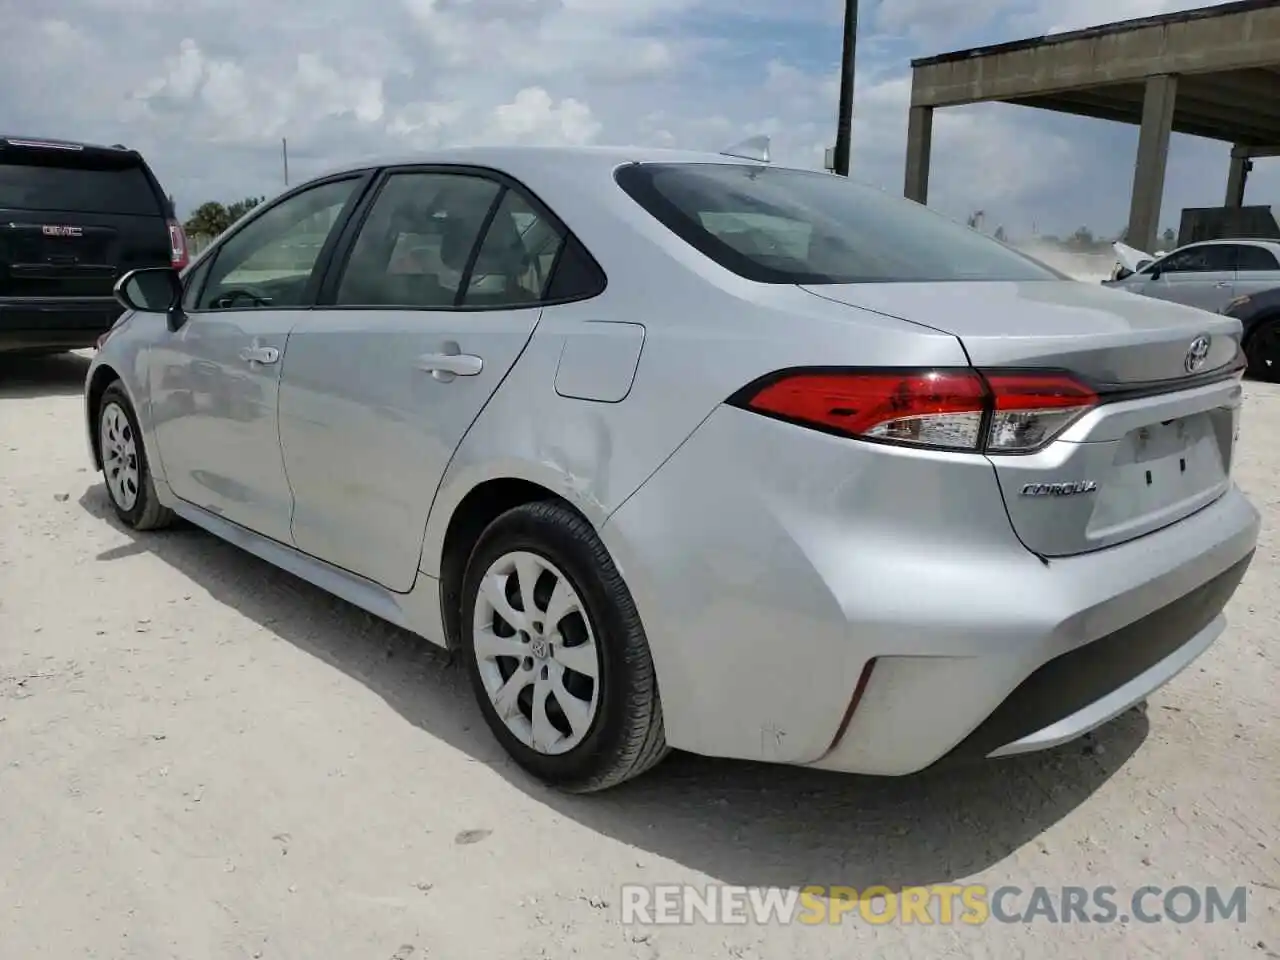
[1255, 258]
[516, 257]
[79, 189]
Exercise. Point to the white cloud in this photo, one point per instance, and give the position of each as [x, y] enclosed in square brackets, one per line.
[533, 117]
[207, 88]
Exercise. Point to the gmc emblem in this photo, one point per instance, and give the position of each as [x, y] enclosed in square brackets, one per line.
[56, 230]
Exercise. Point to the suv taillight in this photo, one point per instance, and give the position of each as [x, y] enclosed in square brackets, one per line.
[177, 246]
[993, 412]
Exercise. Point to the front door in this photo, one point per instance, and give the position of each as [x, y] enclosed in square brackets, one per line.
[1201, 276]
[215, 381]
[415, 332]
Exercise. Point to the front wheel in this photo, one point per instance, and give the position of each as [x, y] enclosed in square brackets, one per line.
[124, 463]
[556, 652]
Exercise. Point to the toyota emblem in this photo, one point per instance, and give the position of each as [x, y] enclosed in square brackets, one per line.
[1197, 354]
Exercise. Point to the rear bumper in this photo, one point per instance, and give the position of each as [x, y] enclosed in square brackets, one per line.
[48, 322]
[1090, 685]
[1144, 611]
[771, 565]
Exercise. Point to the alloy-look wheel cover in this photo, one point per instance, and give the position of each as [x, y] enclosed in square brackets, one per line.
[536, 652]
[119, 449]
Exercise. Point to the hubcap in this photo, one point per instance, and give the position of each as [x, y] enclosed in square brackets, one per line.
[119, 456]
[536, 651]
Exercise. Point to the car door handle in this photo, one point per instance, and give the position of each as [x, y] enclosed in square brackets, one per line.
[259, 354]
[1223, 283]
[446, 366]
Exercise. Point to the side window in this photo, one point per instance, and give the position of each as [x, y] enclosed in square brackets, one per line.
[1191, 260]
[1255, 258]
[513, 267]
[194, 283]
[269, 261]
[416, 243]
[577, 275]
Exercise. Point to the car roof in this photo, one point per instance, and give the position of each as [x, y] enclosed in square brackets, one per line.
[77, 146]
[56, 142]
[1221, 241]
[518, 160]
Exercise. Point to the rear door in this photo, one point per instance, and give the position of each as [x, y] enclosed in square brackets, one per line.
[1256, 269]
[73, 219]
[438, 294]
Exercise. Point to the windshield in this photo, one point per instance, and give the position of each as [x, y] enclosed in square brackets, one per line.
[775, 225]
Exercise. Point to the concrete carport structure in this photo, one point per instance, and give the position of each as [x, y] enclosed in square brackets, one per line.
[1212, 72]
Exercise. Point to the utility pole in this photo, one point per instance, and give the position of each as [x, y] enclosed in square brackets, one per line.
[284, 155]
[844, 122]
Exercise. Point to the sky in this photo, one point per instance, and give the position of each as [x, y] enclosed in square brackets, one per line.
[206, 89]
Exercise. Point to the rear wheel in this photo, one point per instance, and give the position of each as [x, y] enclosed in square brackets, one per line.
[124, 463]
[556, 653]
[1263, 352]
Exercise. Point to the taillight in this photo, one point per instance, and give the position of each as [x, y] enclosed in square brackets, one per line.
[1030, 409]
[942, 409]
[177, 245]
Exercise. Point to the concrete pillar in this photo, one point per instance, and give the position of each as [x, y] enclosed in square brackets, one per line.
[919, 147]
[1153, 154]
[1237, 177]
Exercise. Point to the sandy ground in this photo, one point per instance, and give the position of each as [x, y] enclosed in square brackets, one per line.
[202, 757]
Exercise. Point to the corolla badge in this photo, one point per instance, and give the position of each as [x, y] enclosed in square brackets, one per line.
[1197, 354]
[1070, 489]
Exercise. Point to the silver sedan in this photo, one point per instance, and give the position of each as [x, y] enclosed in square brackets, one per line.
[684, 450]
[1208, 275]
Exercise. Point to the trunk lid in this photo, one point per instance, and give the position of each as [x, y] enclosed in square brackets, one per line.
[1160, 445]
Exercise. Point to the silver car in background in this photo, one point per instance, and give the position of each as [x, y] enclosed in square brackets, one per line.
[678, 450]
[1208, 275]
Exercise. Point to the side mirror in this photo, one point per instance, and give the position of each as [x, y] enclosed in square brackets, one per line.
[1121, 273]
[151, 290]
[1154, 273]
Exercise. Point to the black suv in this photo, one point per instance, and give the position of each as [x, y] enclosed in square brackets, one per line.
[74, 217]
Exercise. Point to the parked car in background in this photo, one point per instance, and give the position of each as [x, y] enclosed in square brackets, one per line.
[1259, 315]
[1208, 275]
[74, 217]
[682, 450]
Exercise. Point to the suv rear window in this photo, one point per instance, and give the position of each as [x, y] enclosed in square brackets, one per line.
[38, 184]
[775, 225]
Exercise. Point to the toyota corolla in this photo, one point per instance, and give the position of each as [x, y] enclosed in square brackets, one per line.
[692, 451]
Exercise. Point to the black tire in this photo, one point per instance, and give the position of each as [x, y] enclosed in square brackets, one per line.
[146, 512]
[1263, 351]
[626, 736]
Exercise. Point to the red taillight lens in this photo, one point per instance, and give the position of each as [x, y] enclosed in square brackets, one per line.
[942, 409]
[935, 408]
[177, 245]
[1030, 409]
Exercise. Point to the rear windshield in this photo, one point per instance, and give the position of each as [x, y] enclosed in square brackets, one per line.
[775, 225]
[76, 188]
